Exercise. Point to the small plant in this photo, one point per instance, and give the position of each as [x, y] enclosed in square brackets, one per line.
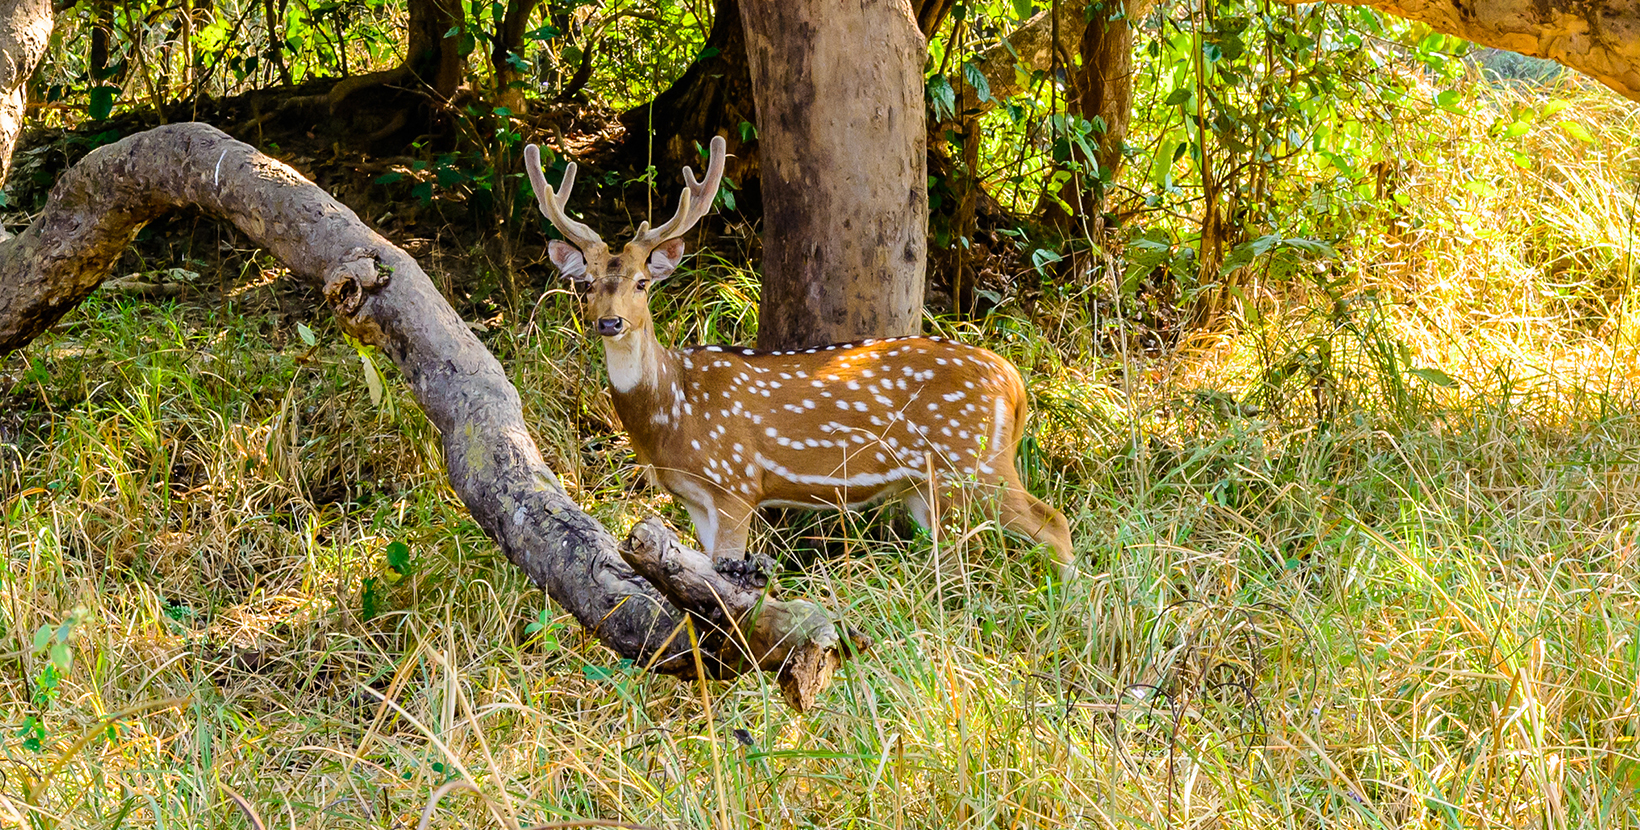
[373, 592]
[52, 643]
[543, 632]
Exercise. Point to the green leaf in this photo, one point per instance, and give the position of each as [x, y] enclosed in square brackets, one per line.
[541, 621]
[1577, 131]
[42, 636]
[1434, 376]
[307, 335]
[62, 657]
[1042, 258]
[1480, 188]
[389, 178]
[398, 558]
[1023, 9]
[1555, 106]
[102, 102]
[1447, 99]
[543, 33]
[943, 97]
[372, 378]
[370, 599]
[423, 191]
[976, 79]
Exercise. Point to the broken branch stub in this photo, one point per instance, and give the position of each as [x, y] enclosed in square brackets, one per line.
[381, 295]
[744, 627]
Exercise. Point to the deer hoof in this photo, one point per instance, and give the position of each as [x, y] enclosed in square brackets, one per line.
[755, 569]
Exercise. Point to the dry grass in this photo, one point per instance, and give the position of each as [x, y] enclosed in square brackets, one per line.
[1327, 603]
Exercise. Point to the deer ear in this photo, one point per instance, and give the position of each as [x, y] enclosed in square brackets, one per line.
[665, 258]
[569, 260]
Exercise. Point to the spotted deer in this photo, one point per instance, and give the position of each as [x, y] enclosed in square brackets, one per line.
[728, 430]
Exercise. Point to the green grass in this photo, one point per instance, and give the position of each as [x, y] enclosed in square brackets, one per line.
[1309, 600]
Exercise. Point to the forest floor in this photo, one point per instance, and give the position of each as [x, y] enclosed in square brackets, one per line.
[1358, 562]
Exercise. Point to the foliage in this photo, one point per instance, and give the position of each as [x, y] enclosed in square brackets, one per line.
[1364, 550]
[169, 53]
[1383, 619]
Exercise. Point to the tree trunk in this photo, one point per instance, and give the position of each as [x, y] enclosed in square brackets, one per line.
[435, 60]
[25, 28]
[507, 43]
[842, 144]
[1600, 38]
[381, 296]
[1101, 88]
[714, 97]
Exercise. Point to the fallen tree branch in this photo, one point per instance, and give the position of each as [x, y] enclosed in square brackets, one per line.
[381, 296]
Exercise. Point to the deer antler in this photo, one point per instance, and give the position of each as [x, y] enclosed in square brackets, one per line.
[552, 204]
[693, 204]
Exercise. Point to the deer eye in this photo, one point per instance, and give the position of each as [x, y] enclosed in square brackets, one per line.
[643, 285]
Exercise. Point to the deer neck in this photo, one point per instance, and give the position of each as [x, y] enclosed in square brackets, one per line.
[643, 377]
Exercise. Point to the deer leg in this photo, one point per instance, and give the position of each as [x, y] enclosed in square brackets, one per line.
[932, 501]
[729, 554]
[705, 519]
[734, 524]
[916, 504]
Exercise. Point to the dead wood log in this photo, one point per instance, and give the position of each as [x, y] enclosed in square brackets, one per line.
[381, 296]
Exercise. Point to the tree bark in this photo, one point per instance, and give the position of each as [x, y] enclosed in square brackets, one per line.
[381, 296]
[843, 166]
[930, 14]
[25, 28]
[1600, 38]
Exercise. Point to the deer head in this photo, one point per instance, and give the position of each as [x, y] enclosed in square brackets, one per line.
[617, 285]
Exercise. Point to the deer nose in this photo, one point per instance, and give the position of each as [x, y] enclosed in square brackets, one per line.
[611, 326]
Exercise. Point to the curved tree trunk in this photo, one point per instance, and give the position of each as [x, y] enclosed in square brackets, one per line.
[845, 190]
[1600, 38]
[381, 296]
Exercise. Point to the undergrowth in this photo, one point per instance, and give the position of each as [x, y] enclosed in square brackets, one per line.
[1367, 558]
